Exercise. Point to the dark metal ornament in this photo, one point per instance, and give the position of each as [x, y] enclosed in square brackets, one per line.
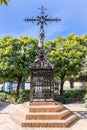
[41, 21]
[41, 71]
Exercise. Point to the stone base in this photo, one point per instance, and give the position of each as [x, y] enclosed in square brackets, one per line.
[43, 114]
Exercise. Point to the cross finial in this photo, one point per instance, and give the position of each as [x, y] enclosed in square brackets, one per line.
[42, 10]
[42, 20]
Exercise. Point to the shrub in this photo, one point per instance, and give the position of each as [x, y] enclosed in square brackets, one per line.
[11, 98]
[24, 96]
[69, 96]
[85, 99]
[12, 92]
[3, 96]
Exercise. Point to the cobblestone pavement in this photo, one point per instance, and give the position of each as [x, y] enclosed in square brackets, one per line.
[6, 124]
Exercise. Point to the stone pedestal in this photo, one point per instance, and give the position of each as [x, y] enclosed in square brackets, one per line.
[43, 114]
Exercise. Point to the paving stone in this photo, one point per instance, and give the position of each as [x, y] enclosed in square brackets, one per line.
[7, 124]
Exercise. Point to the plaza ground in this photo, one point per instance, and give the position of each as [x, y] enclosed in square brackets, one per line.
[78, 108]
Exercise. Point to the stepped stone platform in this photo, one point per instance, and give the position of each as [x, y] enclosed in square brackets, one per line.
[43, 114]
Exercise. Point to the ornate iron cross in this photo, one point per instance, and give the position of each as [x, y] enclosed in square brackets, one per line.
[42, 20]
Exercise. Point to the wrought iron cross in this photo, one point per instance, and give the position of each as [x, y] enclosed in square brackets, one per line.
[42, 20]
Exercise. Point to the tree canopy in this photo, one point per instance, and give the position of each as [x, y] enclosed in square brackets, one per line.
[67, 61]
[4, 2]
[14, 65]
[66, 53]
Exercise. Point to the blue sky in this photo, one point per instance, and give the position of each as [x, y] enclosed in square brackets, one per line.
[72, 12]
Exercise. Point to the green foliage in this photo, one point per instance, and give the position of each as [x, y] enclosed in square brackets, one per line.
[85, 99]
[70, 96]
[13, 63]
[67, 62]
[24, 96]
[4, 2]
[12, 92]
[3, 96]
[83, 73]
[11, 98]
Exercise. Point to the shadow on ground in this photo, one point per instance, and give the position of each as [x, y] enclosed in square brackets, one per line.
[3, 105]
[81, 114]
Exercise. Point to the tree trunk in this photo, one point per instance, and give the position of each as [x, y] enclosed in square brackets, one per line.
[18, 87]
[23, 85]
[61, 85]
[71, 84]
[3, 87]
